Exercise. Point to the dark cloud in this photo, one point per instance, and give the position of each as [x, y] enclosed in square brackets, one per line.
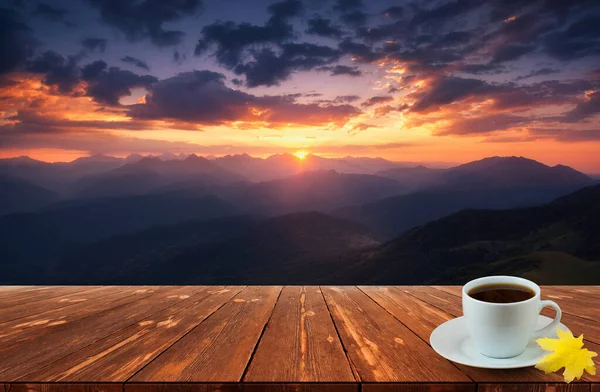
[50, 12]
[16, 42]
[146, 18]
[270, 68]
[284, 10]
[484, 124]
[231, 38]
[566, 135]
[323, 27]
[348, 5]
[377, 100]
[445, 12]
[539, 72]
[179, 57]
[342, 70]
[346, 98]
[92, 70]
[395, 12]
[589, 107]
[354, 18]
[580, 39]
[136, 62]
[511, 52]
[60, 72]
[95, 44]
[482, 69]
[447, 90]
[109, 85]
[360, 52]
[202, 97]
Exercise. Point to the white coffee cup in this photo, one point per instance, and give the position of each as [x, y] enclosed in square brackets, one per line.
[503, 330]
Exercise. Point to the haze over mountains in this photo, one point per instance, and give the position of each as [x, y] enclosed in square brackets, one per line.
[240, 219]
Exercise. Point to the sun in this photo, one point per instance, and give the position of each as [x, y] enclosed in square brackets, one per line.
[301, 154]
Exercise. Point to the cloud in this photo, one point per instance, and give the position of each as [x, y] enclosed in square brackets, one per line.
[50, 12]
[538, 72]
[16, 41]
[202, 97]
[346, 98]
[580, 39]
[323, 27]
[484, 124]
[95, 44]
[146, 18]
[566, 135]
[511, 52]
[395, 12]
[231, 38]
[270, 68]
[589, 107]
[358, 128]
[377, 100]
[60, 72]
[342, 70]
[136, 62]
[107, 86]
[446, 90]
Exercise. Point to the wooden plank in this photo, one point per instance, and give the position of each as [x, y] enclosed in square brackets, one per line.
[533, 387]
[38, 387]
[440, 299]
[447, 387]
[301, 339]
[219, 349]
[382, 348]
[181, 387]
[28, 309]
[301, 387]
[15, 297]
[118, 356]
[423, 318]
[420, 317]
[17, 361]
[529, 374]
[572, 309]
[27, 328]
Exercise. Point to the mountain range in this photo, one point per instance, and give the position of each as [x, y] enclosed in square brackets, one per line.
[244, 219]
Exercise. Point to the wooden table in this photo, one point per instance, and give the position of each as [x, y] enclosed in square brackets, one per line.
[271, 338]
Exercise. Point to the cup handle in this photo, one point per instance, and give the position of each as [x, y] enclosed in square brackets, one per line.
[550, 327]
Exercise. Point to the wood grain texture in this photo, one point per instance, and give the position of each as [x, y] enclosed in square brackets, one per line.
[200, 338]
[66, 339]
[419, 316]
[533, 387]
[14, 296]
[118, 356]
[578, 315]
[301, 339]
[423, 318]
[450, 387]
[27, 328]
[32, 308]
[219, 349]
[382, 348]
[301, 387]
[182, 387]
[37, 387]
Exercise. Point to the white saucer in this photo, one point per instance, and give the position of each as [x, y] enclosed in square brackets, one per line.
[451, 340]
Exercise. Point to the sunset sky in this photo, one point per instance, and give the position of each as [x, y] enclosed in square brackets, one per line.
[443, 81]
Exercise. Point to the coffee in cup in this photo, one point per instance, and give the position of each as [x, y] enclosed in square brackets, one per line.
[501, 313]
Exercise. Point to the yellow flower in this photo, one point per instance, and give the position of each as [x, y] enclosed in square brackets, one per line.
[568, 353]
